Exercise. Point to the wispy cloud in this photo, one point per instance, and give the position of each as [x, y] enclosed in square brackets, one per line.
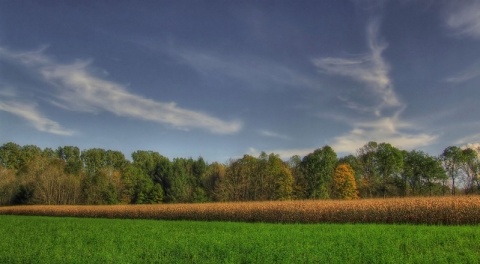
[271, 134]
[371, 69]
[464, 18]
[467, 75]
[30, 113]
[389, 129]
[80, 90]
[468, 139]
[256, 72]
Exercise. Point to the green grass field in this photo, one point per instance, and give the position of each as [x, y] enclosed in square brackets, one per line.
[33, 239]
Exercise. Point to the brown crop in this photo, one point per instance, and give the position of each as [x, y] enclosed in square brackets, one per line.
[423, 210]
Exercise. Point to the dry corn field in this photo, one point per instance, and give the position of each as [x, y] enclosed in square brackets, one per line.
[426, 210]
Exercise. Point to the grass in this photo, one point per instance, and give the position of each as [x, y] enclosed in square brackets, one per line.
[38, 239]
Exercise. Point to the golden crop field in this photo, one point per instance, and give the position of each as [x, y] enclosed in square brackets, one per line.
[421, 210]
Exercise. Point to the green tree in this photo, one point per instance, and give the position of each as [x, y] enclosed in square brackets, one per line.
[422, 173]
[103, 181]
[179, 189]
[214, 182]
[318, 168]
[471, 168]
[10, 156]
[389, 161]
[28, 153]
[100, 187]
[370, 179]
[355, 163]
[282, 178]
[452, 161]
[138, 188]
[239, 175]
[94, 160]
[199, 169]
[299, 182]
[71, 156]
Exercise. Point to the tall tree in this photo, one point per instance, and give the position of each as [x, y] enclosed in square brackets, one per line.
[389, 161]
[471, 168]
[370, 179]
[52, 184]
[318, 168]
[94, 160]
[214, 182]
[8, 185]
[72, 158]
[10, 156]
[344, 184]
[282, 178]
[299, 184]
[422, 173]
[239, 184]
[179, 186]
[273, 179]
[452, 160]
[138, 188]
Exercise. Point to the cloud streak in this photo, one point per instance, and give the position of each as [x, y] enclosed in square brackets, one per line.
[30, 113]
[271, 134]
[371, 69]
[464, 18]
[388, 129]
[256, 72]
[79, 90]
[465, 76]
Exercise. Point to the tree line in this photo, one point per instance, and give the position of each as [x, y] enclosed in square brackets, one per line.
[66, 175]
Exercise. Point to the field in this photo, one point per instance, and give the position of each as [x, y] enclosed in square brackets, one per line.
[457, 210]
[411, 230]
[34, 239]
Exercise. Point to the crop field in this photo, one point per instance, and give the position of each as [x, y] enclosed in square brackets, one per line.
[458, 210]
[36, 239]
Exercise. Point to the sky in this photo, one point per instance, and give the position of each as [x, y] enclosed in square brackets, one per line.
[220, 79]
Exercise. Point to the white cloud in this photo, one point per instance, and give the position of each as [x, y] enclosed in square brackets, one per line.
[78, 89]
[370, 69]
[380, 131]
[32, 115]
[464, 18]
[267, 133]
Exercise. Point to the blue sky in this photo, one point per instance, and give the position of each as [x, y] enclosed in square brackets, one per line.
[220, 79]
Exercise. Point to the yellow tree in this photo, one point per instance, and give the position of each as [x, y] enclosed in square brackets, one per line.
[344, 185]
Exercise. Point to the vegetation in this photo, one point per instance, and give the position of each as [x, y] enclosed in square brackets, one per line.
[344, 185]
[75, 240]
[434, 210]
[30, 175]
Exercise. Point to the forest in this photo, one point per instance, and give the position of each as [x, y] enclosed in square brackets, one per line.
[68, 175]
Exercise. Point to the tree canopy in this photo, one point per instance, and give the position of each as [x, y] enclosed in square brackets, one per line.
[68, 175]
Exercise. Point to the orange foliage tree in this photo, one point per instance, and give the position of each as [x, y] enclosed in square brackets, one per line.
[344, 185]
